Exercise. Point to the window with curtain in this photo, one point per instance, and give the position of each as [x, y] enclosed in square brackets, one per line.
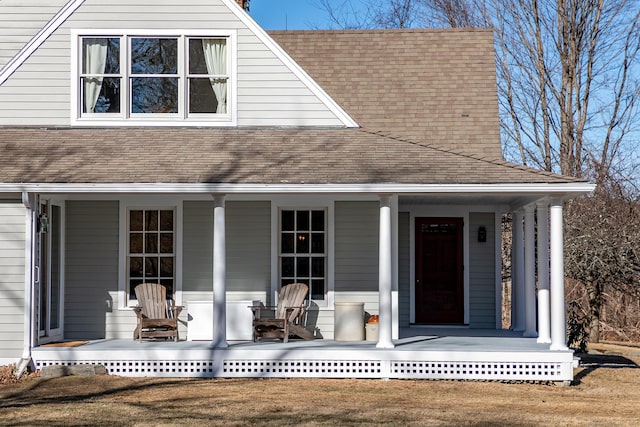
[100, 79]
[207, 75]
[146, 77]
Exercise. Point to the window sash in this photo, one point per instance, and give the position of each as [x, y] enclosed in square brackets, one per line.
[147, 261]
[207, 81]
[85, 65]
[298, 261]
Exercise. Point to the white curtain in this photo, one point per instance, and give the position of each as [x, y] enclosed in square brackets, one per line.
[215, 56]
[95, 59]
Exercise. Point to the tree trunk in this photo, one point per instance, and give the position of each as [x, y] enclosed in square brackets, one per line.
[594, 331]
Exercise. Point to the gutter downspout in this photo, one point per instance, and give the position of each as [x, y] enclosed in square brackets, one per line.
[28, 200]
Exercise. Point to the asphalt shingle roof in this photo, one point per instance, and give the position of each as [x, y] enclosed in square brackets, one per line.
[432, 85]
[293, 156]
[426, 101]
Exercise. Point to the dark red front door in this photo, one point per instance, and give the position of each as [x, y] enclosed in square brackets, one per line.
[439, 279]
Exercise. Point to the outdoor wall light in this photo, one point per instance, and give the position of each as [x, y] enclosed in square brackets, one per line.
[43, 223]
[482, 234]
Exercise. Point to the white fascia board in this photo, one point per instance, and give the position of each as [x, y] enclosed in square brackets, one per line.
[291, 64]
[557, 190]
[39, 38]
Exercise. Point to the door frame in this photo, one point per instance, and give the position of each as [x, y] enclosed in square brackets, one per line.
[437, 211]
[49, 334]
[459, 310]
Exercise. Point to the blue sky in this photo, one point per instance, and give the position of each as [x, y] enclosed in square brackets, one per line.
[288, 14]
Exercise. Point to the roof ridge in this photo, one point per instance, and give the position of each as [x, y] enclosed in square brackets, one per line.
[471, 156]
[383, 30]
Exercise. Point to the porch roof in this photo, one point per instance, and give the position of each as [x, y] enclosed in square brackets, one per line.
[246, 156]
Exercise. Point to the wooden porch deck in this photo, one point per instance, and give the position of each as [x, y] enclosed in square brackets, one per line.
[418, 354]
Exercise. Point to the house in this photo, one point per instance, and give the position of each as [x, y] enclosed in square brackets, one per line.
[177, 142]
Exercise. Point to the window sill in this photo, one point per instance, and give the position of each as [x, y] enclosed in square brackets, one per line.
[155, 122]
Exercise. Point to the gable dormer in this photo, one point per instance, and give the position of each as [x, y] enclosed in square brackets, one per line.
[159, 63]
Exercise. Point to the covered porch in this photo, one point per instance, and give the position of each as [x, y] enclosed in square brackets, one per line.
[378, 233]
[419, 353]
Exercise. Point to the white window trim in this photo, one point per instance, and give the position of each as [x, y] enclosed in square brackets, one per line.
[213, 120]
[128, 204]
[304, 203]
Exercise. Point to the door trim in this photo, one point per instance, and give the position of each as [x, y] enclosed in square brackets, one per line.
[51, 334]
[417, 211]
[455, 316]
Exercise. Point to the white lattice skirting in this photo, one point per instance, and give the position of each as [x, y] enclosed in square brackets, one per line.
[301, 368]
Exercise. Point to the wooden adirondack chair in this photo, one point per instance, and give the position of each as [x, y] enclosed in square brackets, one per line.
[285, 319]
[157, 317]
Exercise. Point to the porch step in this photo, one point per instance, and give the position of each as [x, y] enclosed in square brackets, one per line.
[87, 370]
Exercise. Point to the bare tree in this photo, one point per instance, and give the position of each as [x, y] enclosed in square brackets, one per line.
[347, 14]
[567, 88]
[396, 14]
[602, 237]
[359, 14]
[453, 13]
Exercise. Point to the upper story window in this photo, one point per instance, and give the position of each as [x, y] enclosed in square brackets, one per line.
[151, 78]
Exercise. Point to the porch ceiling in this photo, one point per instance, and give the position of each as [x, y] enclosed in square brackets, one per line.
[508, 200]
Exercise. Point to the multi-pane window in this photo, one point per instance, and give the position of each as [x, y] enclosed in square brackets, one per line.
[151, 252]
[140, 77]
[303, 257]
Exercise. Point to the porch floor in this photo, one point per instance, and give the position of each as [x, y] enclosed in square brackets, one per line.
[420, 353]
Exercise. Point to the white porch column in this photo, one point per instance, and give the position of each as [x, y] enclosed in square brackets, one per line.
[544, 331]
[517, 273]
[385, 281]
[529, 273]
[219, 273]
[558, 315]
[30, 329]
[395, 334]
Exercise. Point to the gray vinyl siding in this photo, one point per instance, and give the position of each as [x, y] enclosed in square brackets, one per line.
[20, 20]
[404, 257]
[356, 247]
[12, 265]
[248, 236]
[482, 282]
[197, 247]
[269, 94]
[91, 265]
